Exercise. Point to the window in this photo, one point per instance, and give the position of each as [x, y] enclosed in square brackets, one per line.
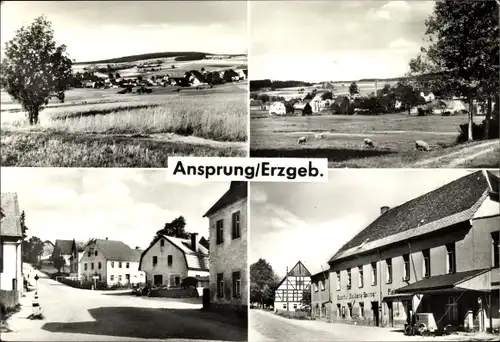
[349, 305]
[91, 265]
[360, 276]
[162, 243]
[338, 281]
[127, 265]
[112, 277]
[361, 309]
[295, 306]
[315, 287]
[120, 277]
[119, 264]
[99, 265]
[220, 231]
[284, 306]
[220, 285]
[85, 266]
[450, 258]
[374, 273]
[339, 310]
[322, 284]
[349, 283]
[236, 284]
[155, 261]
[406, 267]
[88, 254]
[496, 249]
[426, 263]
[95, 253]
[112, 264]
[388, 263]
[236, 225]
[169, 260]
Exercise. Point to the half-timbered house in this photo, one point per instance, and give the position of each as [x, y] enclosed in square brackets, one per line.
[289, 293]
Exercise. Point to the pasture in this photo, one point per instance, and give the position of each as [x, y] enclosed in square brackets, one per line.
[100, 128]
[393, 135]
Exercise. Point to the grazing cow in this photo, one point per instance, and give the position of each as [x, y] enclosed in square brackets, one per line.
[302, 140]
[421, 145]
[368, 143]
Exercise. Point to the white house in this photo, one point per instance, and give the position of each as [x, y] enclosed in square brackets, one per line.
[11, 237]
[428, 96]
[169, 260]
[288, 295]
[318, 104]
[112, 262]
[228, 247]
[277, 108]
[77, 249]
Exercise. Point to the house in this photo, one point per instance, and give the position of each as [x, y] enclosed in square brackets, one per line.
[230, 75]
[318, 104]
[48, 249]
[428, 96]
[242, 74]
[277, 108]
[255, 105]
[288, 294]
[170, 260]
[77, 249]
[112, 262]
[196, 78]
[228, 248]
[11, 237]
[62, 248]
[437, 253]
[321, 301]
[304, 107]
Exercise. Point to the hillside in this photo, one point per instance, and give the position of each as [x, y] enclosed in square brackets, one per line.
[154, 55]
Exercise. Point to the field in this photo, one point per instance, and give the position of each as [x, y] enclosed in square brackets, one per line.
[394, 137]
[100, 128]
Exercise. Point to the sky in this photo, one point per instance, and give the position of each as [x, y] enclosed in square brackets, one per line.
[94, 30]
[335, 40]
[310, 222]
[128, 205]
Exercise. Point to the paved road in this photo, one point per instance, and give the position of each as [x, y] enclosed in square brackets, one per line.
[75, 314]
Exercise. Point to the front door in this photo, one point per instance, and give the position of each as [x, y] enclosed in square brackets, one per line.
[127, 278]
[375, 311]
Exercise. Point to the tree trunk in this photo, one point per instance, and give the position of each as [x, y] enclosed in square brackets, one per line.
[471, 119]
[33, 117]
[487, 119]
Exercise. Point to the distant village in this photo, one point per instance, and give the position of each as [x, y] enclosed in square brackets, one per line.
[328, 98]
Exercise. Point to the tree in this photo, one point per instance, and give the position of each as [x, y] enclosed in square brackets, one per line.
[32, 250]
[111, 76]
[463, 52]
[202, 69]
[58, 263]
[353, 88]
[263, 282]
[306, 298]
[328, 95]
[24, 228]
[175, 228]
[386, 89]
[117, 75]
[35, 69]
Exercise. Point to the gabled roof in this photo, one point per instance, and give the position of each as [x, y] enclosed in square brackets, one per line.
[237, 190]
[454, 202]
[64, 246]
[299, 270]
[113, 250]
[11, 222]
[195, 260]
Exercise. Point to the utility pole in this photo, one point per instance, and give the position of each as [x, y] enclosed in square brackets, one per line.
[286, 281]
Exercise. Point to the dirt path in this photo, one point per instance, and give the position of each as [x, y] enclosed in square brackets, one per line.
[457, 157]
[364, 135]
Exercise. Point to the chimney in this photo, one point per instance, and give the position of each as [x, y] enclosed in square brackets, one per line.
[194, 242]
[384, 209]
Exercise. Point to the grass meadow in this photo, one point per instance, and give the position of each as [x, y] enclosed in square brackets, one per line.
[99, 128]
[394, 137]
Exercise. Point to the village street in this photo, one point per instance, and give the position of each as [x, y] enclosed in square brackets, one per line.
[266, 326]
[76, 314]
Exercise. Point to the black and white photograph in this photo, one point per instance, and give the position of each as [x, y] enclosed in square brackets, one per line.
[122, 84]
[376, 255]
[121, 255]
[376, 84]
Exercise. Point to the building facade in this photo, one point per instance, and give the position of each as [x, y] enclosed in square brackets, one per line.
[77, 249]
[169, 260]
[436, 254]
[289, 293]
[277, 108]
[11, 238]
[62, 248]
[228, 247]
[111, 262]
[321, 301]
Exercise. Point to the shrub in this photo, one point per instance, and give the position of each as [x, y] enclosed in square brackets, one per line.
[478, 131]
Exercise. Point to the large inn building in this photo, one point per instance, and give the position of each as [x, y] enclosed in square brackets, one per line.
[437, 253]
